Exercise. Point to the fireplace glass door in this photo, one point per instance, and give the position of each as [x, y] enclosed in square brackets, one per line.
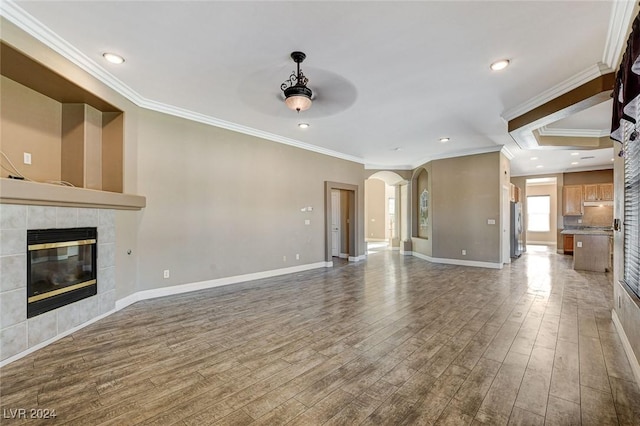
[61, 266]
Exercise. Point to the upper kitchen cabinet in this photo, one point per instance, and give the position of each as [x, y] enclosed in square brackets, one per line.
[572, 200]
[598, 192]
[605, 191]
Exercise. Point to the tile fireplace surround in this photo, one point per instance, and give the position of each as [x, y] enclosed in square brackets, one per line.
[17, 333]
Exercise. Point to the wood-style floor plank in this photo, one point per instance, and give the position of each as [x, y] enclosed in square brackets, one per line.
[391, 340]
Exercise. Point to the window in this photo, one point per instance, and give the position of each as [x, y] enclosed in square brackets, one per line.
[631, 214]
[539, 213]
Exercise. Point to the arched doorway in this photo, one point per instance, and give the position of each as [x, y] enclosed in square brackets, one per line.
[385, 210]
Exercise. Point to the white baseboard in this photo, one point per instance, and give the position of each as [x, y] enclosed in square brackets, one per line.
[633, 361]
[54, 339]
[168, 291]
[219, 282]
[459, 262]
[406, 253]
[357, 258]
[343, 255]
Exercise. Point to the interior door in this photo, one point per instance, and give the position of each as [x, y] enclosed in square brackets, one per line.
[335, 223]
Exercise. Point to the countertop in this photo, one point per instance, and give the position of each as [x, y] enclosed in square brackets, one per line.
[588, 231]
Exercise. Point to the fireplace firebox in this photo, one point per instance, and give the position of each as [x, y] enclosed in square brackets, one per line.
[61, 267]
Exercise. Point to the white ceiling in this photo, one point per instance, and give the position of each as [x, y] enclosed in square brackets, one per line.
[390, 78]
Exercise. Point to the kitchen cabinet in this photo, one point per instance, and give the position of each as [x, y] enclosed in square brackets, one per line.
[591, 252]
[515, 193]
[605, 191]
[598, 192]
[567, 244]
[572, 200]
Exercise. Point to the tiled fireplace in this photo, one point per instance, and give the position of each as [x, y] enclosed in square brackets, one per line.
[19, 333]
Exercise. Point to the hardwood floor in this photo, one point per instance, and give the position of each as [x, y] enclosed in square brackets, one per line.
[393, 340]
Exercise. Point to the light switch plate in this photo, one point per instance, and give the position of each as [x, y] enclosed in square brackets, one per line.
[491, 221]
[27, 158]
[579, 244]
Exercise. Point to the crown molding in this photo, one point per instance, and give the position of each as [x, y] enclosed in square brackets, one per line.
[572, 133]
[507, 153]
[384, 167]
[619, 21]
[212, 121]
[460, 153]
[40, 32]
[565, 170]
[43, 34]
[571, 83]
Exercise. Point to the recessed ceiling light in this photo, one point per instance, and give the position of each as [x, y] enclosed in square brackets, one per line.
[539, 166]
[500, 65]
[443, 140]
[575, 153]
[534, 158]
[303, 125]
[113, 58]
[573, 163]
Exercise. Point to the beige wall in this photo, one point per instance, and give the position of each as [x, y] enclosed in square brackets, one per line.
[544, 237]
[374, 210]
[31, 123]
[220, 203]
[464, 193]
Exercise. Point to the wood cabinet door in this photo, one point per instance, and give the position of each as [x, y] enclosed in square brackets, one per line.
[605, 191]
[567, 244]
[572, 200]
[590, 192]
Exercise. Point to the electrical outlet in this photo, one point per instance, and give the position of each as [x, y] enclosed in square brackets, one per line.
[464, 252]
[307, 222]
[27, 158]
[491, 221]
[166, 273]
[284, 258]
[579, 244]
[297, 256]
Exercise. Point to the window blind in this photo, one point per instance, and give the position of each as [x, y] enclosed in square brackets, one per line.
[631, 214]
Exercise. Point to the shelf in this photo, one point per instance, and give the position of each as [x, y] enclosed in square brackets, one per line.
[44, 194]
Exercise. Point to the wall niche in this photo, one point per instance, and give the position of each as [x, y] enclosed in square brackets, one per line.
[72, 135]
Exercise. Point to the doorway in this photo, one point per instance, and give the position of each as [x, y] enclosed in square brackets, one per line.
[540, 211]
[341, 221]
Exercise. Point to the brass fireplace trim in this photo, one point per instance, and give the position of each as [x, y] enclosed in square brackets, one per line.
[63, 244]
[60, 291]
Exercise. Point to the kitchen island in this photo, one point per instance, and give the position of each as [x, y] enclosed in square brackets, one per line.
[591, 249]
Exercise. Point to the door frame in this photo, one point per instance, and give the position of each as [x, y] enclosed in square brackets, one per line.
[336, 194]
[505, 223]
[353, 227]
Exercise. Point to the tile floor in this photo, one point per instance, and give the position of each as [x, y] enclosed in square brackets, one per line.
[392, 340]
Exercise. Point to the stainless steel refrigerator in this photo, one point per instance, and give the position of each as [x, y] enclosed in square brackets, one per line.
[517, 227]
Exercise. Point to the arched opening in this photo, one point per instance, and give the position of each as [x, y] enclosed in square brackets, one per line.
[384, 208]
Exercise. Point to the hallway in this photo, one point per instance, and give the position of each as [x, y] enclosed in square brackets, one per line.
[391, 340]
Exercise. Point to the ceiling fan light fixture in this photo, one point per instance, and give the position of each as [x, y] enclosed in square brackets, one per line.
[297, 94]
[303, 125]
[445, 139]
[500, 65]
